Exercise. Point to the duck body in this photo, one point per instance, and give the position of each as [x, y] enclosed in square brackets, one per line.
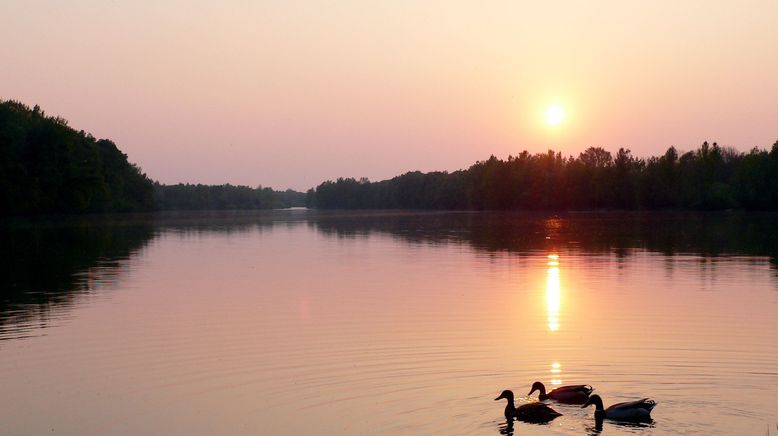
[574, 394]
[636, 411]
[535, 413]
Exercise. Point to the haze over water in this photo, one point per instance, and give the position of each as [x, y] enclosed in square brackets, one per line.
[385, 323]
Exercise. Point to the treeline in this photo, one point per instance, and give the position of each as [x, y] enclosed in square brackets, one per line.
[708, 178]
[48, 167]
[209, 197]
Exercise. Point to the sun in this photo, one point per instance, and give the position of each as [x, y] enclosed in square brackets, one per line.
[554, 115]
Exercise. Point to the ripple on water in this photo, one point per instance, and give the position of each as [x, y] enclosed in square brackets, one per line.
[373, 334]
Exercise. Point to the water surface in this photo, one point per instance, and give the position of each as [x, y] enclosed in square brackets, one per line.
[385, 323]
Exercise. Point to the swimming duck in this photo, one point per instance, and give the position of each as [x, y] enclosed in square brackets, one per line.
[576, 394]
[639, 410]
[532, 412]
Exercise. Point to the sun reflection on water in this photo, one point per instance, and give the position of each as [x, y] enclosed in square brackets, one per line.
[556, 372]
[553, 295]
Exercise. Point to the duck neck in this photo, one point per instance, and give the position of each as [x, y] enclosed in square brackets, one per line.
[598, 420]
[510, 409]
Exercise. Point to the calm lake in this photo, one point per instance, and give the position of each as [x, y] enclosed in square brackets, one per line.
[304, 322]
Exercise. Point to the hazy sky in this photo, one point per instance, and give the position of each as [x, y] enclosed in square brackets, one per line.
[290, 93]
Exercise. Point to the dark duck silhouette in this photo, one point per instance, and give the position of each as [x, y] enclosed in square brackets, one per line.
[634, 411]
[533, 412]
[576, 394]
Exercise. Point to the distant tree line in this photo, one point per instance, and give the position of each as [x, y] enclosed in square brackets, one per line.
[47, 167]
[209, 197]
[708, 178]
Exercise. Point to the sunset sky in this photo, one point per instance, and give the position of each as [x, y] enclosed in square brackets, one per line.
[290, 93]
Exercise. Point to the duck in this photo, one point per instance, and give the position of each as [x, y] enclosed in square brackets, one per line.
[637, 411]
[533, 412]
[575, 394]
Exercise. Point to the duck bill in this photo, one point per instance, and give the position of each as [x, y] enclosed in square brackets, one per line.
[586, 404]
[499, 398]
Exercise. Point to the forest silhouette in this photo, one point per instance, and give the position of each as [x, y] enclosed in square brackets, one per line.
[708, 178]
[48, 167]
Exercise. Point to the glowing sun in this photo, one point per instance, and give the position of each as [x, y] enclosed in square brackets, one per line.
[554, 115]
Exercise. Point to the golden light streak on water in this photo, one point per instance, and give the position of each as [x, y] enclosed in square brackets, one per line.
[553, 294]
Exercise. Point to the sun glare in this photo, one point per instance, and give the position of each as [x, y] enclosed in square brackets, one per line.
[554, 115]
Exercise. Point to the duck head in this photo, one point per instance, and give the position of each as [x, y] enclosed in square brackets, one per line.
[597, 401]
[505, 394]
[538, 386]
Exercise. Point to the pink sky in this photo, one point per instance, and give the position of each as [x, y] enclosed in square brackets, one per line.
[288, 93]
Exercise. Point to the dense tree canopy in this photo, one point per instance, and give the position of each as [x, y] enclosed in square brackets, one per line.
[48, 167]
[208, 197]
[708, 178]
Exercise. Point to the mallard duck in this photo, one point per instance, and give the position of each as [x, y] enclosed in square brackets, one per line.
[639, 410]
[532, 412]
[576, 394]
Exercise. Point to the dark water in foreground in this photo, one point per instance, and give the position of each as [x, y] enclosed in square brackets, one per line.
[294, 322]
